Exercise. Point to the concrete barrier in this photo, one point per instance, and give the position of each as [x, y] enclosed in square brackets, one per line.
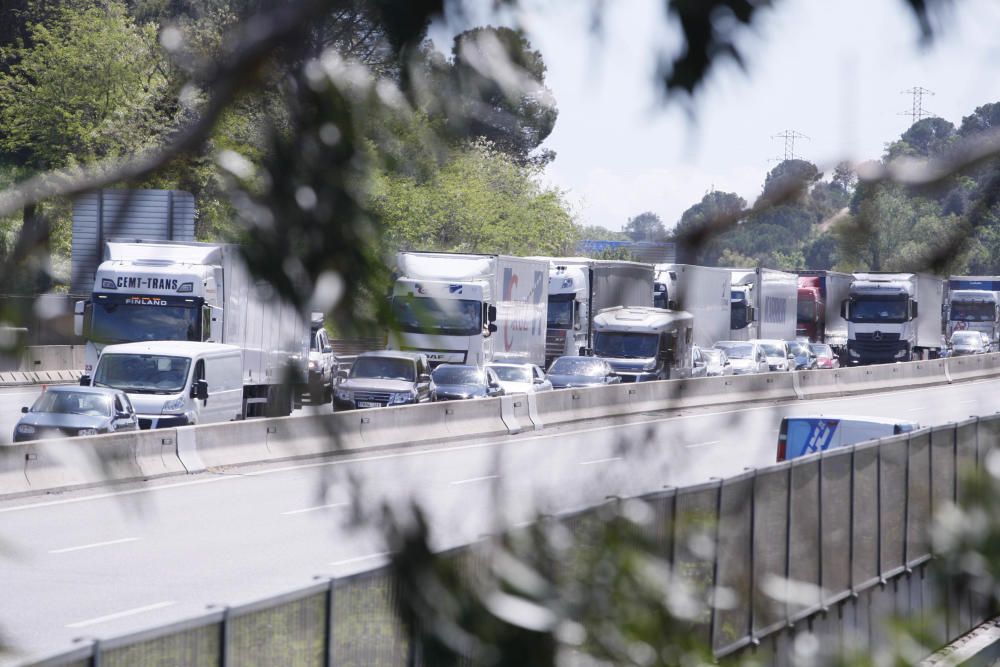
[232, 443]
[13, 479]
[75, 462]
[52, 357]
[156, 453]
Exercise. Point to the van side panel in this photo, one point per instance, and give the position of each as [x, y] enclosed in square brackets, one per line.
[809, 436]
[225, 389]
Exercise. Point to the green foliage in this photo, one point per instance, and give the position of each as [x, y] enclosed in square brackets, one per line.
[598, 233]
[87, 88]
[480, 200]
[646, 226]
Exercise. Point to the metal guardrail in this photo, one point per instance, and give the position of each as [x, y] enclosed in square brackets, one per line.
[833, 544]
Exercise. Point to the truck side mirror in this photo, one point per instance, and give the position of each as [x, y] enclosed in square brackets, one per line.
[491, 328]
[844, 310]
[913, 309]
[84, 380]
[491, 315]
[82, 313]
[751, 314]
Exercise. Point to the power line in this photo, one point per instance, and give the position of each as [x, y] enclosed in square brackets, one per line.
[789, 136]
[917, 111]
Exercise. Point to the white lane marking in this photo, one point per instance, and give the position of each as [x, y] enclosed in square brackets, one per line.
[445, 450]
[705, 444]
[313, 509]
[924, 409]
[969, 402]
[122, 614]
[475, 479]
[359, 559]
[607, 460]
[94, 545]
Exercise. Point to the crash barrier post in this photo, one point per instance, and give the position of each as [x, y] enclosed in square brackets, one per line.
[832, 545]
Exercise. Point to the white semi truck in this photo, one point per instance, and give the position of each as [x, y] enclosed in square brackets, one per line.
[763, 304]
[974, 304]
[893, 317]
[703, 291]
[580, 287]
[645, 343]
[179, 291]
[470, 309]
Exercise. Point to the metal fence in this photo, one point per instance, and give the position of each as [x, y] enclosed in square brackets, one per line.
[832, 544]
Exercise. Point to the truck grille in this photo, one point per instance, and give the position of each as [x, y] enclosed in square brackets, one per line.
[555, 343]
[866, 342]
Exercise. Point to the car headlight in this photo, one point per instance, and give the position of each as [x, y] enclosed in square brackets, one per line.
[402, 398]
[900, 355]
[312, 365]
[176, 405]
[27, 429]
[87, 431]
[343, 394]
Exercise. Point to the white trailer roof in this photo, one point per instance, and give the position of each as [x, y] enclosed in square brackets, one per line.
[163, 251]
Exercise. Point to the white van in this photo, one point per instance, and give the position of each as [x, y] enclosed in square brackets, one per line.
[175, 383]
[801, 436]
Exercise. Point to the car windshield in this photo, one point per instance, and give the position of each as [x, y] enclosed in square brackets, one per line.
[578, 366]
[512, 373]
[442, 317]
[449, 374]
[773, 349]
[383, 368]
[821, 350]
[560, 314]
[798, 349]
[142, 373]
[737, 350]
[967, 311]
[127, 323]
[966, 338]
[73, 403]
[625, 345]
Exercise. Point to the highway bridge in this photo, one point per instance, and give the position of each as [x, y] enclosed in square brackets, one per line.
[103, 561]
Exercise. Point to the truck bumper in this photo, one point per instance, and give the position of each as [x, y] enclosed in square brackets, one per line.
[864, 353]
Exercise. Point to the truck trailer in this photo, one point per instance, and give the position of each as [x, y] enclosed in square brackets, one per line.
[645, 343]
[470, 309]
[893, 317]
[820, 294]
[973, 303]
[186, 291]
[763, 304]
[703, 291]
[579, 288]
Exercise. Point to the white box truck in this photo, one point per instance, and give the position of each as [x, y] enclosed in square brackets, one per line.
[703, 291]
[893, 317]
[763, 304]
[644, 344]
[171, 290]
[579, 288]
[974, 305]
[470, 309]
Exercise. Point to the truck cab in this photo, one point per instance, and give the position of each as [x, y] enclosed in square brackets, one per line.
[973, 310]
[882, 312]
[811, 308]
[645, 343]
[569, 307]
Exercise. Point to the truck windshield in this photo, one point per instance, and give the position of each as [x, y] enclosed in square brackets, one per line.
[560, 314]
[878, 309]
[126, 323]
[967, 311]
[738, 315]
[625, 345]
[806, 310]
[383, 368]
[142, 373]
[443, 317]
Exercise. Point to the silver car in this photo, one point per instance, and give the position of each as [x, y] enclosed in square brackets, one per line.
[717, 363]
[71, 410]
[521, 378]
[745, 356]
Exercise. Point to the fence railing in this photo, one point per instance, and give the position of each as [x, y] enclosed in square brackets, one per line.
[834, 544]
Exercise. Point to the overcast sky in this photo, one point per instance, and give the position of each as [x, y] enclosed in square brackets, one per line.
[831, 71]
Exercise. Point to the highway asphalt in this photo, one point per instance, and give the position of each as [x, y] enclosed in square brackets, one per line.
[97, 563]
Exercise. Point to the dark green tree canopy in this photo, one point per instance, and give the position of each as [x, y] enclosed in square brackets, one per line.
[646, 226]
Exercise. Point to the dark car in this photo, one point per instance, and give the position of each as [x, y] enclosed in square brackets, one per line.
[67, 411]
[456, 382]
[804, 357]
[581, 372]
[379, 379]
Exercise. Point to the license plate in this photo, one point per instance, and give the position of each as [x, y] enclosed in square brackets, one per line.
[369, 404]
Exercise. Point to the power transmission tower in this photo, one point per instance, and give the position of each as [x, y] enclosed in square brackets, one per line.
[789, 136]
[917, 111]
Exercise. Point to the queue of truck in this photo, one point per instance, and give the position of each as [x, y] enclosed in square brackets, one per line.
[185, 335]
